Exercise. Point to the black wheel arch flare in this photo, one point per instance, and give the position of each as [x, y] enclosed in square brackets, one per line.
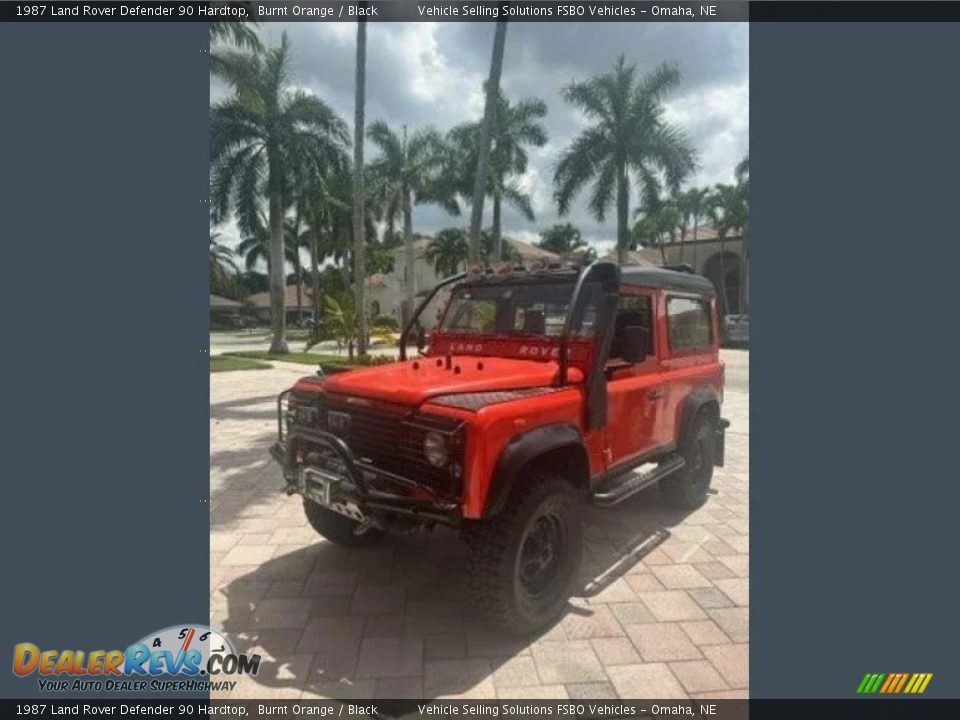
[526, 448]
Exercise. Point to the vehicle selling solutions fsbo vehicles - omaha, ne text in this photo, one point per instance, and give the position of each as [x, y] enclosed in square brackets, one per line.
[538, 390]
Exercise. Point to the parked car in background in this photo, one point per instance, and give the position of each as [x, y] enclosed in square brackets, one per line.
[736, 329]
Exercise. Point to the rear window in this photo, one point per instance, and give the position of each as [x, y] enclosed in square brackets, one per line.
[688, 320]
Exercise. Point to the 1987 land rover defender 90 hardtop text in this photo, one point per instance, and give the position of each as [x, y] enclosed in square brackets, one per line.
[538, 391]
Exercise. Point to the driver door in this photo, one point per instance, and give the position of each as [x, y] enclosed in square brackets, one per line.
[634, 392]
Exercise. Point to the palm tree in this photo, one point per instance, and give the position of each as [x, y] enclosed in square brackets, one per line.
[264, 139]
[408, 172]
[695, 202]
[515, 126]
[728, 213]
[681, 202]
[342, 317]
[255, 248]
[320, 207]
[657, 224]
[448, 251]
[221, 262]
[296, 238]
[359, 255]
[561, 239]
[629, 141]
[486, 132]
[239, 33]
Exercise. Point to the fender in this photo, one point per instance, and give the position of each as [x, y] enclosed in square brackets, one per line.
[521, 450]
[703, 398]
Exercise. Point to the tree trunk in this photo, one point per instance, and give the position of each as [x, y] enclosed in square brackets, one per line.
[695, 268]
[497, 239]
[359, 244]
[299, 270]
[623, 209]
[683, 240]
[483, 150]
[315, 276]
[278, 289]
[410, 280]
[345, 263]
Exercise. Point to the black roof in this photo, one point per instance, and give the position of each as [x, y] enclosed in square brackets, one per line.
[667, 279]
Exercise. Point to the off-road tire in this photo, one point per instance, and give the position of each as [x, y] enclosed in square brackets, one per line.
[337, 528]
[496, 546]
[688, 487]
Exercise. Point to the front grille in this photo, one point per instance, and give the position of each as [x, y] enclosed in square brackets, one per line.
[390, 437]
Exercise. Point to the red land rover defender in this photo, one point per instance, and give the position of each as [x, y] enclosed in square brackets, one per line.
[538, 391]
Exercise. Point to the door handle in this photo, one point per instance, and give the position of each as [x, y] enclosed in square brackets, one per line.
[654, 394]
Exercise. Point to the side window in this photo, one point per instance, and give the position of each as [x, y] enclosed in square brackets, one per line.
[688, 320]
[631, 310]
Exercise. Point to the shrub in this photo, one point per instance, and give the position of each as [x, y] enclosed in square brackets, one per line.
[385, 322]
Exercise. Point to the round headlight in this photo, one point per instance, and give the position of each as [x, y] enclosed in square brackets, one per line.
[436, 449]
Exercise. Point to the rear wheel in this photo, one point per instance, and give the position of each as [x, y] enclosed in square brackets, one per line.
[337, 528]
[688, 487]
[523, 563]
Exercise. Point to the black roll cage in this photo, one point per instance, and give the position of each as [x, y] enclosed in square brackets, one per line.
[420, 308]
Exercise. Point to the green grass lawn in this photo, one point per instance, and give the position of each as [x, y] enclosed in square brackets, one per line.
[220, 363]
[304, 358]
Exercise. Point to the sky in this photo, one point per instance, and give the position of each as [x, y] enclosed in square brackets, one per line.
[432, 74]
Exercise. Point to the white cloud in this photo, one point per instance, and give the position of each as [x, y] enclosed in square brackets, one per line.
[717, 119]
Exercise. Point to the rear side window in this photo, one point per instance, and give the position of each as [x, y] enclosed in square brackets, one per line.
[688, 320]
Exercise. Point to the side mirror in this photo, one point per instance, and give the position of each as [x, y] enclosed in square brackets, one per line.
[634, 343]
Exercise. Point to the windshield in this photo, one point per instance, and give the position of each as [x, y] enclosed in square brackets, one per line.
[538, 309]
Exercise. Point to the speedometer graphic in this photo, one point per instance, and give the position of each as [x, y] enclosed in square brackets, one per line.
[185, 647]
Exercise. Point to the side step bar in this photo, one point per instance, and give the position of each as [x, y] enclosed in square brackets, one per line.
[631, 482]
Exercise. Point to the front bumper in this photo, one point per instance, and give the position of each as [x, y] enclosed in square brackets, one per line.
[349, 483]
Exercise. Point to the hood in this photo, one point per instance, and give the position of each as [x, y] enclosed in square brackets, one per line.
[415, 381]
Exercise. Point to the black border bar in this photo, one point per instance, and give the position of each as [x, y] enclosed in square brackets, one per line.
[521, 11]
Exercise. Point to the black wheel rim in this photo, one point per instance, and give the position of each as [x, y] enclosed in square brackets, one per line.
[541, 554]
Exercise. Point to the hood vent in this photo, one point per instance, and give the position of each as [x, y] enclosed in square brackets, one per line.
[477, 400]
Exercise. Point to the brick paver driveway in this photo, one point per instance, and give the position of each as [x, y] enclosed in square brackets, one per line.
[662, 612]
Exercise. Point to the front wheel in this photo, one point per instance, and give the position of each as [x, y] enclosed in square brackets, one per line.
[688, 487]
[524, 562]
[337, 528]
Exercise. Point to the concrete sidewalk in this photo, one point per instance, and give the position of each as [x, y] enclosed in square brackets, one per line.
[663, 611]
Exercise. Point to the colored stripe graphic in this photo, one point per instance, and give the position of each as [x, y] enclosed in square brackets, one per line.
[903, 680]
[894, 683]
